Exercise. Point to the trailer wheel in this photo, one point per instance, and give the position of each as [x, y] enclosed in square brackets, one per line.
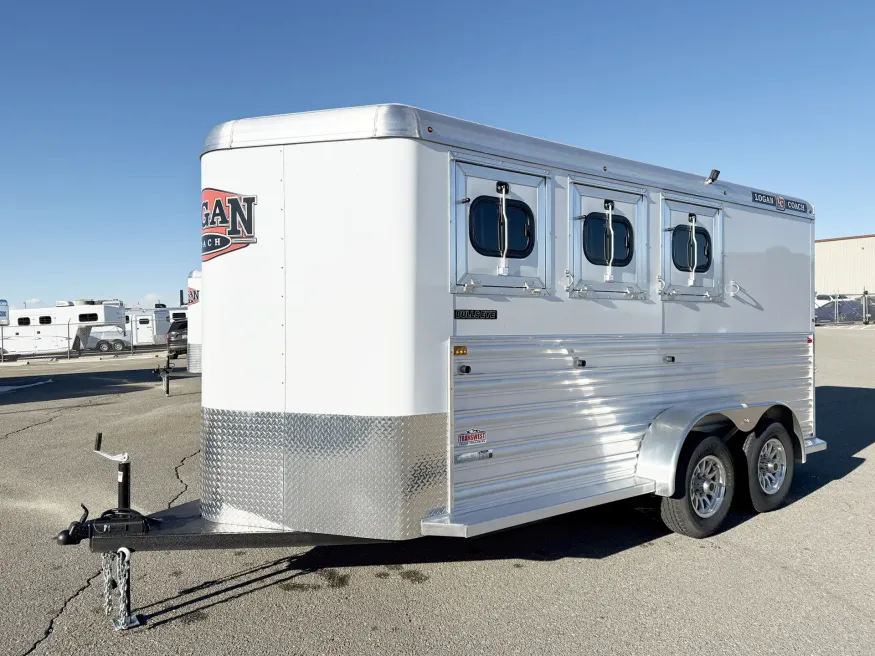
[118, 345]
[706, 484]
[768, 452]
[103, 346]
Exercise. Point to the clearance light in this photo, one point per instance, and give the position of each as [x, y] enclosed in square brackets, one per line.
[460, 350]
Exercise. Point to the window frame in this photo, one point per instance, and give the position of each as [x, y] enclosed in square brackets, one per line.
[23, 321]
[709, 248]
[624, 262]
[677, 285]
[48, 321]
[473, 175]
[512, 254]
[143, 321]
[85, 317]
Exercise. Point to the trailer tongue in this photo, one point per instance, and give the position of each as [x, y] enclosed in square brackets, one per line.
[119, 532]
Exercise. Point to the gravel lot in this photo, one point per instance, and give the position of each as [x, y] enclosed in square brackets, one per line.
[610, 580]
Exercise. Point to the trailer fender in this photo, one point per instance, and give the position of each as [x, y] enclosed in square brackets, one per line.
[664, 438]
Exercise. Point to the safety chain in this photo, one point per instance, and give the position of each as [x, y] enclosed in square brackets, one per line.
[116, 568]
[124, 570]
[106, 563]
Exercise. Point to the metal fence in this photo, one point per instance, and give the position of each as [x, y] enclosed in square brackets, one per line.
[66, 342]
[843, 309]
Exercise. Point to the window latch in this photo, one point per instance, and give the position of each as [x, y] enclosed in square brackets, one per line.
[470, 285]
[535, 291]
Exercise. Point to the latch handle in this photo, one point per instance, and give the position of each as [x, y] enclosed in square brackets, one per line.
[118, 457]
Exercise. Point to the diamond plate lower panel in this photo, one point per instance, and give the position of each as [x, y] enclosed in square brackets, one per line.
[242, 467]
[374, 477]
[195, 352]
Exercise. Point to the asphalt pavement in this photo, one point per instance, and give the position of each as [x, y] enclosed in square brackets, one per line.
[609, 580]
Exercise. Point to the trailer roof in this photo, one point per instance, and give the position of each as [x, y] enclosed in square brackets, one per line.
[382, 121]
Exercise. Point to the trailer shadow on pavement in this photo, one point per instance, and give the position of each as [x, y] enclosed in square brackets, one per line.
[845, 417]
[54, 387]
[593, 533]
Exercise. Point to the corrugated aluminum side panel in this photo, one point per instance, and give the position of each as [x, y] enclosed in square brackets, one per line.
[553, 425]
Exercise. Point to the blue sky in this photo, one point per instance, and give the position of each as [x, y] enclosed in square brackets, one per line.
[105, 106]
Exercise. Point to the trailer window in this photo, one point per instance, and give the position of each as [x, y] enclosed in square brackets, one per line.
[178, 315]
[143, 322]
[45, 320]
[23, 321]
[597, 238]
[127, 320]
[88, 317]
[682, 249]
[485, 227]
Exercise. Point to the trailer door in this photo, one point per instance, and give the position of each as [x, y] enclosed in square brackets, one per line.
[144, 330]
[502, 243]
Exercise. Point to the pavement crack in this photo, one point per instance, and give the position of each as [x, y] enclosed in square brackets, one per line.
[179, 478]
[35, 424]
[51, 627]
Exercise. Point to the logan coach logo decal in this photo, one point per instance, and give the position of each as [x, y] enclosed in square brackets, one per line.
[779, 202]
[194, 296]
[227, 222]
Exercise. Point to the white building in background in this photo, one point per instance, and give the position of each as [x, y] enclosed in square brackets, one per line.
[845, 265]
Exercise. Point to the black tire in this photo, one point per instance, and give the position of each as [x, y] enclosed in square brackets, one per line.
[677, 511]
[103, 346]
[765, 433]
[118, 345]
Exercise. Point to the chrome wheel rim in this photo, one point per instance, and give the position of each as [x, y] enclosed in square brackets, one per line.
[708, 486]
[772, 466]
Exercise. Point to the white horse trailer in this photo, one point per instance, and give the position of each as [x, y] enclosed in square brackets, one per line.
[143, 327]
[67, 326]
[464, 329]
[195, 338]
[178, 313]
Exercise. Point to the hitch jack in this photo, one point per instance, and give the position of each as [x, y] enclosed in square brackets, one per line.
[115, 565]
[164, 372]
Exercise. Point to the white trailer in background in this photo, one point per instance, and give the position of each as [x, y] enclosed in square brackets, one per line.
[195, 342]
[143, 327]
[178, 313]
[67, 326]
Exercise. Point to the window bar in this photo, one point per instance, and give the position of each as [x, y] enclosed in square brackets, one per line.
[695, 248]
[503, 188]
[609, 209]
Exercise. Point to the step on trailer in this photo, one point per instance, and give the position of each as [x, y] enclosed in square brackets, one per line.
[465, 329]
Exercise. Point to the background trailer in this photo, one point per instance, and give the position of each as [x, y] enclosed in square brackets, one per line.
[195, 334]
[67, 326]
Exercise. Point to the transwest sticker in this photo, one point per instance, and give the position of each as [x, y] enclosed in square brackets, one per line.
[473, 436]
[476, 314]
[194, 296]
[227, 222]
[778, 202]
